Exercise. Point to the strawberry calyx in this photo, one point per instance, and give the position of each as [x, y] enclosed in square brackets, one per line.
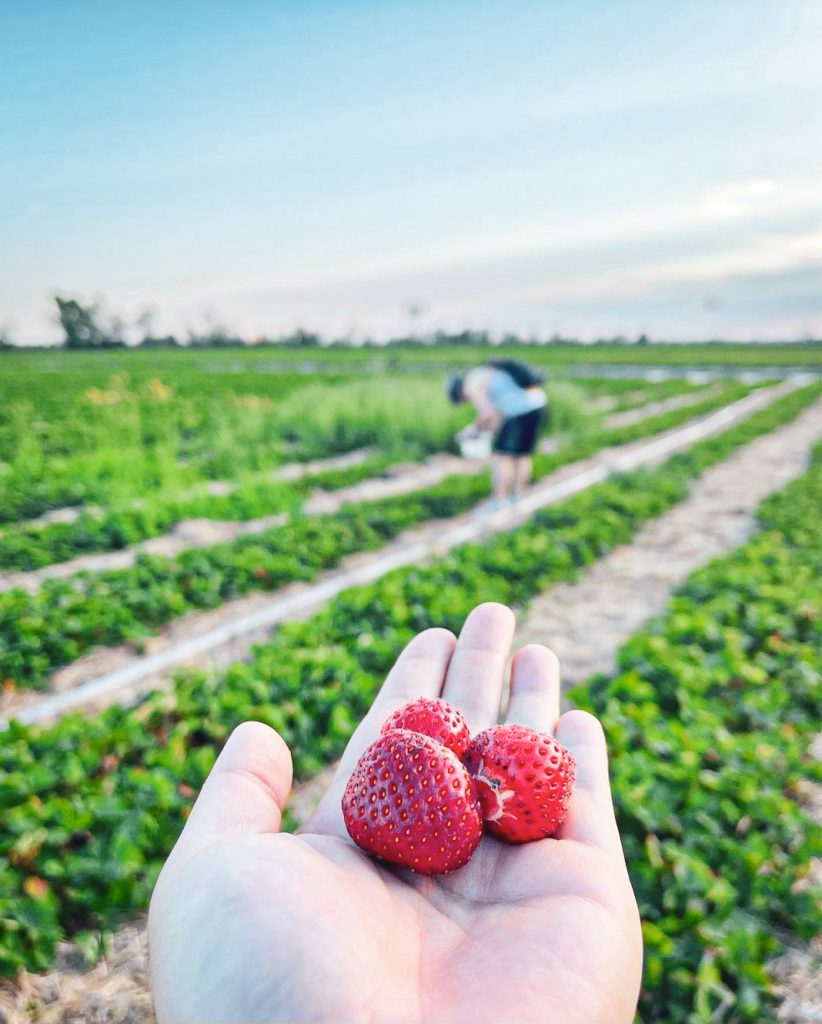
[524, 780]
[491, 795]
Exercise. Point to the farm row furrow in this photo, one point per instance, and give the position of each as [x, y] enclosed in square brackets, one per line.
[56, 549]
[331, 491]
[217, 488]
[92, 531]
[576, 619]
[91, 806]
[710, 717]
[190, 427]
[633, 415]
[190, 534]
[65, 618]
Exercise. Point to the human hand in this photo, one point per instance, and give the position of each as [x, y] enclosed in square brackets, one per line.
[251, 924]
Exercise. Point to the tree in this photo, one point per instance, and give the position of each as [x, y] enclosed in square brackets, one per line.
[302, 339]
[6, 344]
[215, 335]
[83, 327]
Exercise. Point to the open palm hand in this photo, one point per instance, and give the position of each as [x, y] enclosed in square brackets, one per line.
[255, 925]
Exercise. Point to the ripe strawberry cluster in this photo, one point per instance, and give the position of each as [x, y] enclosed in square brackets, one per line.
[420, 795]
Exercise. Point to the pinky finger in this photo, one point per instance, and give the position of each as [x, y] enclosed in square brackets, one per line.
[591, 813]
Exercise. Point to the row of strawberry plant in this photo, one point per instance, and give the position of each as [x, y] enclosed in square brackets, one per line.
[144, 436]
[87, 440]
[99, 438]
[29, 546]
[26, 546]
[92, 806]
[628, 393]
[67, 617]
[709, 718]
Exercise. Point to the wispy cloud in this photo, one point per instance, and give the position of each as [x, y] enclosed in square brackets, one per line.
[747, 201]
[740, 198]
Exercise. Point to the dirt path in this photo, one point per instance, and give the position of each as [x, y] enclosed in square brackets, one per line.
[630, 416]
[215, 638]
[288, 471]
[585, 622]
[625, 588]
[395, 481]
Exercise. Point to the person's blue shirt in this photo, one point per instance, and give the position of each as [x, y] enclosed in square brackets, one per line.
[510, 399]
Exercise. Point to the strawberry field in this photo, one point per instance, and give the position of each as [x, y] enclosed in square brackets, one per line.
[710, 710]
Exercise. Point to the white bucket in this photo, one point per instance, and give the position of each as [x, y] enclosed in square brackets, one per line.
[475, 446]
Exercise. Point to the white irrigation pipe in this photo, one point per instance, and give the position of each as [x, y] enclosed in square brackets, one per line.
[635, 414]
[283, 608]
[298, 470]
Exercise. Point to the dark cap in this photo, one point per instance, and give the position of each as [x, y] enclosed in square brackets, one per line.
[454, 388]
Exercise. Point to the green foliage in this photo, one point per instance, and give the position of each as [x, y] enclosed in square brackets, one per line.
[41, 631]
[65, 618]
[709, 720]
[107, 427]
[30, 546]
[91, 806]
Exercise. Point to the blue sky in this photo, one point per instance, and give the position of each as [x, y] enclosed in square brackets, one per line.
[587, 168]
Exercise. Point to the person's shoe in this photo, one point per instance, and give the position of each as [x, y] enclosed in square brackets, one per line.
[489, 506]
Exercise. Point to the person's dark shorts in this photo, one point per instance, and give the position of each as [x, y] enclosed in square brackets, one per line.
[518, 435]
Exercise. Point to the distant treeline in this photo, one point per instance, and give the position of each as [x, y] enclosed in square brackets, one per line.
[88, 327]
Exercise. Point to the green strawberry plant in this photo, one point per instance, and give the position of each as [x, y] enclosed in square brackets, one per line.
[40, 632]
[709, 720]
[25, 547]
[91, 806]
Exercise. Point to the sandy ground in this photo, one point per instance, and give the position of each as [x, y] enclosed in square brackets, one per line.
[585, 622]
[625, 588]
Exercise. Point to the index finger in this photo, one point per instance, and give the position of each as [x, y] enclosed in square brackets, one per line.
[475, 677]
[418, 672]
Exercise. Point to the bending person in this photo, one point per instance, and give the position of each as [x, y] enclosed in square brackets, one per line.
[509, 399]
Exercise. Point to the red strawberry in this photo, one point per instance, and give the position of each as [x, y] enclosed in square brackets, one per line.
[524, 779]
[434, 718]
[411, 802]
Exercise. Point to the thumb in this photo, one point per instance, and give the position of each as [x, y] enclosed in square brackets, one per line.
[246, 791]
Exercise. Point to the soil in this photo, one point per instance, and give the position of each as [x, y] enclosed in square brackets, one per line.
[631, 416]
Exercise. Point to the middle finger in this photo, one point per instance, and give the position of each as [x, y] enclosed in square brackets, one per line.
[476, 672]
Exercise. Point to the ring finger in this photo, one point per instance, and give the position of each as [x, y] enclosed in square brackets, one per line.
[535, 689]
